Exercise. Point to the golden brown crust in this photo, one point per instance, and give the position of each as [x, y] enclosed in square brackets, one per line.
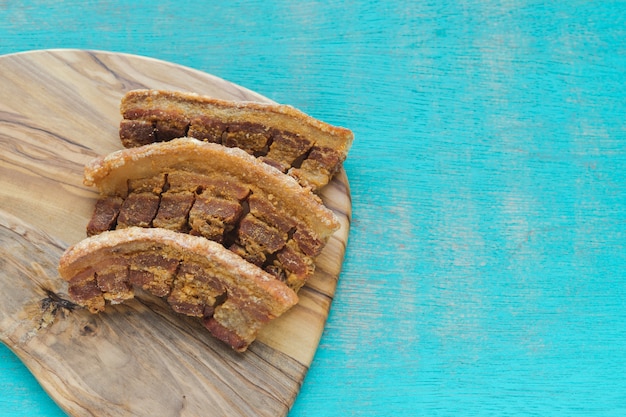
[247, 206]
[294, 120]
[112, 173]
[242, 297]
[282, 136]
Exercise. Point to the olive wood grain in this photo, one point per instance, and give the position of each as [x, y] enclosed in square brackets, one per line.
[138, 358]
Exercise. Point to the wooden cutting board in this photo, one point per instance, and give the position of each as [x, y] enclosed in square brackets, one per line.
[58, 110]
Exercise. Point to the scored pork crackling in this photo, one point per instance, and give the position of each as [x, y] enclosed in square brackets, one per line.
[211, 206]
[198, 277]
[222, 194]
[293, 142]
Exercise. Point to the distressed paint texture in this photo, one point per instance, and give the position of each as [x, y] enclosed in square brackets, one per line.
[485, 267]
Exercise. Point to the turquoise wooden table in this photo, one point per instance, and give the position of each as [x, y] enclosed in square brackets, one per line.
[485, 268]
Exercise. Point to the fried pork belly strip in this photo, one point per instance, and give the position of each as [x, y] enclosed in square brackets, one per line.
[222, 194]
[198, 278]
[307, 149]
